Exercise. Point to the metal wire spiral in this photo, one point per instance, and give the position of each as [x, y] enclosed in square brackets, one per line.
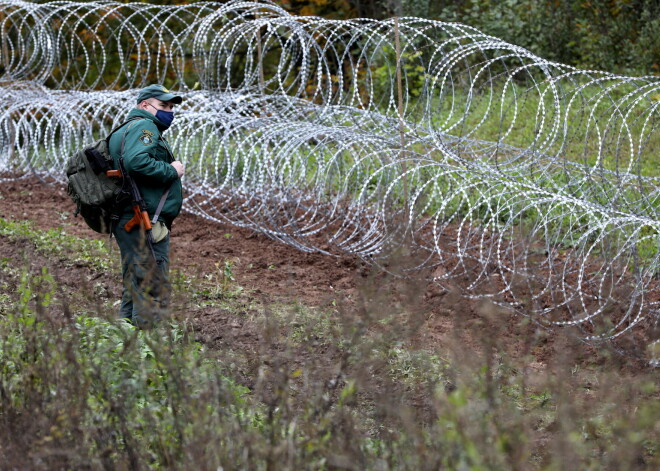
[483, 167]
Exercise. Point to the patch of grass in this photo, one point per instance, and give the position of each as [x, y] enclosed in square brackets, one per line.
[413, 367]
[55, 242]
[309, 325]
[216, 289]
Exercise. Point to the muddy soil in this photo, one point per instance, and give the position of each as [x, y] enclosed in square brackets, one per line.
[275, 273]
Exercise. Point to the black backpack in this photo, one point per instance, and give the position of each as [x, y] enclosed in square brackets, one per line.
[99, 198]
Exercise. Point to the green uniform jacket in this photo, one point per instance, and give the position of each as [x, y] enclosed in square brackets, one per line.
[147, 158]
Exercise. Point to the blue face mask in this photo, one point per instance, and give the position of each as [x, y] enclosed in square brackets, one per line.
[165, 117]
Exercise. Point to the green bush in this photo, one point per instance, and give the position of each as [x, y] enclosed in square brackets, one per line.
[83, 392]
[620, 36]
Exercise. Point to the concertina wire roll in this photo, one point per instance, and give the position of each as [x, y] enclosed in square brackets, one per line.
[430, 149]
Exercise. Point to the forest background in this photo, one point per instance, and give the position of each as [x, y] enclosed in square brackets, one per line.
[620, 36]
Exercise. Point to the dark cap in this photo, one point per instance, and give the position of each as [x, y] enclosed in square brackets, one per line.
[159, 92]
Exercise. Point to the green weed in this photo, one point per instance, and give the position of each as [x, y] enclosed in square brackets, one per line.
[55, 242]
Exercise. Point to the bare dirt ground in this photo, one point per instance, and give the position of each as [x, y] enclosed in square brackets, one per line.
[276, 273]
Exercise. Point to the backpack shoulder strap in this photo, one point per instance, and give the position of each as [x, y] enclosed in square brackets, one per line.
[116, 128]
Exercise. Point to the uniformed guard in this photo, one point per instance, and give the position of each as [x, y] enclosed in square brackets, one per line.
[148, 160]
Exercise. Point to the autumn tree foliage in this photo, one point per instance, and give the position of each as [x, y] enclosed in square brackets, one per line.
[336, 9]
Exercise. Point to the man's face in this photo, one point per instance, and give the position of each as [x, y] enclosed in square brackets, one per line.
[153, 105]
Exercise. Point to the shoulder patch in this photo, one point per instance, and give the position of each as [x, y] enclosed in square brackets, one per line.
[146, 137]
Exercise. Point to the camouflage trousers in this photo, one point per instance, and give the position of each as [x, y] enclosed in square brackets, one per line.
[146, 283]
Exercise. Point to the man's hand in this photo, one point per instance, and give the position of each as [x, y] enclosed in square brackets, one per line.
[178, 166]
